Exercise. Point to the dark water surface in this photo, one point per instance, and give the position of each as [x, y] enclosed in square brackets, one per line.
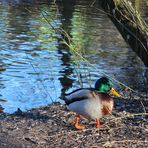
[35, 69]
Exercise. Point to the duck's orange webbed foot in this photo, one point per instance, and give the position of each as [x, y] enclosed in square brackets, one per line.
[77, 126]
[80, 127]
[98, 124]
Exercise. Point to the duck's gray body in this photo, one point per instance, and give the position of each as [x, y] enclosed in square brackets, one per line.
[87, 102]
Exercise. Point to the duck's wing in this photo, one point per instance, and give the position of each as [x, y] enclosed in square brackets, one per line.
[79, 94]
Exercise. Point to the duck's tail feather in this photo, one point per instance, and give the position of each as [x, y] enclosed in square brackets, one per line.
[67, 101]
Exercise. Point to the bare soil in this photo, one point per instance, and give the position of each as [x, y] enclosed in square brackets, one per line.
[52, 126]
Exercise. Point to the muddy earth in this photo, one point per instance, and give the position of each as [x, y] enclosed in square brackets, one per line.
[52, 126]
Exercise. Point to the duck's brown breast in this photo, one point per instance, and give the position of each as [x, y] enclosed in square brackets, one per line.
[107, 103]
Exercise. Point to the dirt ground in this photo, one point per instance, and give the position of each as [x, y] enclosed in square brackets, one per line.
[52, 126]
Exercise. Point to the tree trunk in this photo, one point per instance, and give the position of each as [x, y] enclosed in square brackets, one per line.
[130, 24]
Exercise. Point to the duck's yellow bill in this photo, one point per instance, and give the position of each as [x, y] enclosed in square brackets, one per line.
[114, 92]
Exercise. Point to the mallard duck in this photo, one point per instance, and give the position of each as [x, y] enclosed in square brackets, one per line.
[91, 103]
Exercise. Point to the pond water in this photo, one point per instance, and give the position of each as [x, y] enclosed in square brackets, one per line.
[36, 69]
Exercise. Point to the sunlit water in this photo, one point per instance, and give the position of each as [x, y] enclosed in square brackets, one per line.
[35, 69]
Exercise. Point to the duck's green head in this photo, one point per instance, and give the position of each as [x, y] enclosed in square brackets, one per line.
[105, 85]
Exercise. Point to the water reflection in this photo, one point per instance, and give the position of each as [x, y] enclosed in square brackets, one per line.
[36, 69]
[65, 79]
